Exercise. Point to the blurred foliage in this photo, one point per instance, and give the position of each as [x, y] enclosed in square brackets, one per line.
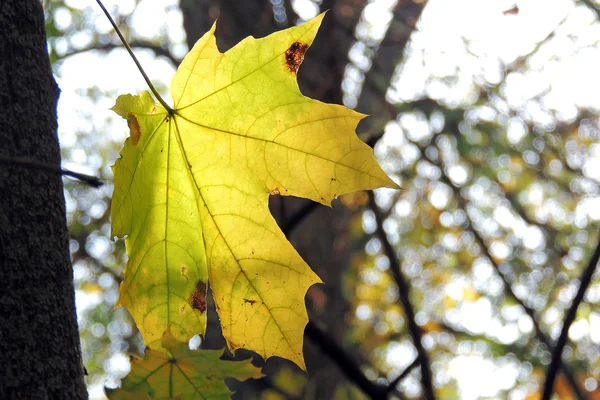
[496, 147]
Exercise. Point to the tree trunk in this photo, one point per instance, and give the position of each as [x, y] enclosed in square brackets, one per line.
[40, 356]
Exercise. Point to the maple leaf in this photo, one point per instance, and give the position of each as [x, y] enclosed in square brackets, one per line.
[192, 188]
[181, 373]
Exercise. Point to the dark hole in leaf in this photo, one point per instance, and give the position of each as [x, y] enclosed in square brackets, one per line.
[295, 55]
[199, 297]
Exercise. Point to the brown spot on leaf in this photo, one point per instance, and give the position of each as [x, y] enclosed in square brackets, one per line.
[295, 55]
[184, 270]
[250, 301]
[134, 128]
[199, 297]
[275, 191]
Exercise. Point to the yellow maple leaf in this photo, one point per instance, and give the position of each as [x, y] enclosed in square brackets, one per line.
[181, 373]
[192, 187]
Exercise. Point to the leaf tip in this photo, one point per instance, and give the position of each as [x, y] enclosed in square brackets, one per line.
[392, 185]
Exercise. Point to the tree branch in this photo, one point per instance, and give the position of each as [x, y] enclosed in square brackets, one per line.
[392, 386]
[325, 342]
[404, 293]
[555, 364]
[507, 286]
[55, 169]
[139, 44]
[344, 362]
[592, 7]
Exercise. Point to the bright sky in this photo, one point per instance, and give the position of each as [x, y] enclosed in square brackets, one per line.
[566, 69]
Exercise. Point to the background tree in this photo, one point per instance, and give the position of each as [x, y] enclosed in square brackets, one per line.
[471, 267]
[40, 356]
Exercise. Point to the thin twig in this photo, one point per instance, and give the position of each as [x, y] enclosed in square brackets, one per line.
[328, 345]
[141, 44]
[507, 286]
[135, 60]
[592, 7]
[55, 169]
[554, 366]
[392, 386]
[404, 293]
[346, 364]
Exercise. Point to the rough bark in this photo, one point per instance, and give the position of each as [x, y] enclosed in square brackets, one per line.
[40, 356]
[198, 16]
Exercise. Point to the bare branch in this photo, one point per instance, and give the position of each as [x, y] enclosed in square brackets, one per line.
[346, 364]
[507, 286]
[137, 44]
[555, 364]
[392, 386]
[404, 292]
[592, 6]
[55, 169]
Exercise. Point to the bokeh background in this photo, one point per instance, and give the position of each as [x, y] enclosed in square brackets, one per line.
[485, 112]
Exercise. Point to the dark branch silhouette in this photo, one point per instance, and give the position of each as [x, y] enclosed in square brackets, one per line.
[54, 169]
[135, 44]
[506, 283]
[346, 364]
[555, 364]
[404, 374]
[404, 292]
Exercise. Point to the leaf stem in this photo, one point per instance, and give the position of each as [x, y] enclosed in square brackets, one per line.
[135, 60]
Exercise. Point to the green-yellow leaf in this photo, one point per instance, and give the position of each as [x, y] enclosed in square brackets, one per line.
[181, 373]
[192, 189]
